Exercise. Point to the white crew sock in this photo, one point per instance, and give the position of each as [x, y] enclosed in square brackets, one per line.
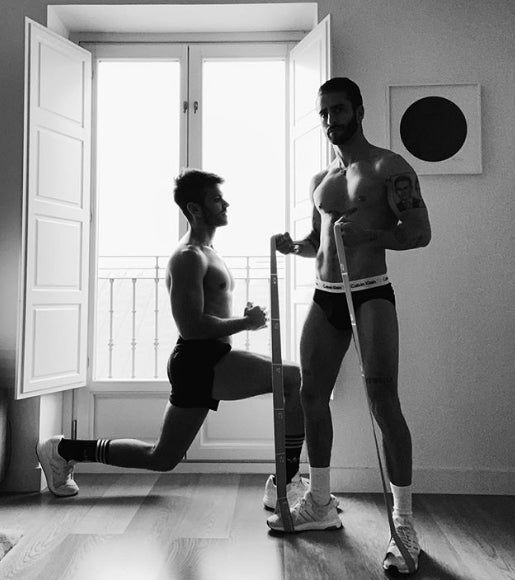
[320, 484]
[401, 501]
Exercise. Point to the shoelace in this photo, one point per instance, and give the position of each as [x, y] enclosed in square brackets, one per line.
[301, 504]
[63, 470]
[297, 484]
[408, 537]
[299, 509]
[310, 510]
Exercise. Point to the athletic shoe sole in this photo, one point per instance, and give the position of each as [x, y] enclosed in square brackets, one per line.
[395, 569]
[311, 527]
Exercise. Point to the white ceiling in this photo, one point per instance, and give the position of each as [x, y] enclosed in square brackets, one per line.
[182, 18]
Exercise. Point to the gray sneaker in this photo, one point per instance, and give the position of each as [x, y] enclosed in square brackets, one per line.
[393, 558]
[57, 470]
[308, 515]
[295, 491]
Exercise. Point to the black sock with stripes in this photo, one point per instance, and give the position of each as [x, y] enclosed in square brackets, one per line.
[293, 450]
[94, 451]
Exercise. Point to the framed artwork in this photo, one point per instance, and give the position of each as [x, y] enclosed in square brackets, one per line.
[436, 128]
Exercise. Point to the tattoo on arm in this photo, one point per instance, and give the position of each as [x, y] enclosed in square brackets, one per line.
[400, 235]
[405, 201]
[407, 241]
[404, 192]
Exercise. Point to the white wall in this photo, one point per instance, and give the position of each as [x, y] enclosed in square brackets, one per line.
[454, 297]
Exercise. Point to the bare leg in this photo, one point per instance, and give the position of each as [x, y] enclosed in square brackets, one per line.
[379, 339]
[238, 375]
[241, 374]
[322, 348]
[180, 425]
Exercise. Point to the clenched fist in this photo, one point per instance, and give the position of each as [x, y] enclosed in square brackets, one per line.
[285, 244]
[256, 316]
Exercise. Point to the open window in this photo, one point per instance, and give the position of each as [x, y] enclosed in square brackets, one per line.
[158, 108]
[57, 320]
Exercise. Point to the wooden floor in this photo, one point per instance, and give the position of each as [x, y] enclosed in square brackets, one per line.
[211, 527]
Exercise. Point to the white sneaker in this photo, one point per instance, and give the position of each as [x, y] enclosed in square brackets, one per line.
[57, 470]
[295, 491]
[408, 535]
[308, 515]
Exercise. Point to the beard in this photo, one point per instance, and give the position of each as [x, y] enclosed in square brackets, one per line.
[215, 219]
[341, 134]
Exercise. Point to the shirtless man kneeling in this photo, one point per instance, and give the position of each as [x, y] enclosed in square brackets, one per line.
[203, 369]
[360, 189]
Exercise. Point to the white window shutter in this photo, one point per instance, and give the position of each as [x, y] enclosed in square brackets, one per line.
[310, 67]
[53, 330]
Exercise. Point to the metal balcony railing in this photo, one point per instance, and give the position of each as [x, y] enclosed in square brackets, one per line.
[135, 331]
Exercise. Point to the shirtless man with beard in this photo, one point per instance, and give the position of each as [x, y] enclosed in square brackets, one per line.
[357, 190]
[203, 369]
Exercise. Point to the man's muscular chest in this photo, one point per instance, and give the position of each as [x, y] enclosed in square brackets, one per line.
[360, 191]
[218, 278]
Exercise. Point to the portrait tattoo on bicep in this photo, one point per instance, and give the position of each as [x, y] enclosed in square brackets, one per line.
[404, 193]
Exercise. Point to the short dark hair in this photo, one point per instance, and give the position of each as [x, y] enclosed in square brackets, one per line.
[191, 186]
[343, 85]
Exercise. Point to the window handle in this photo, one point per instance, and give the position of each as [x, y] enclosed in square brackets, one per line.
[195, 107]
[185, 106]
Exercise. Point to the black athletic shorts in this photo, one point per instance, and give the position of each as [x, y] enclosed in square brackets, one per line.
[334, 304]
[191, 371]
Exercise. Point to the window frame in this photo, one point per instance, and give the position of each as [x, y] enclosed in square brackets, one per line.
[219, 46]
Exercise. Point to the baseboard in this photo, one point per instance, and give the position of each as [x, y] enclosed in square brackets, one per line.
[427, 480]
[357, 480]
[28, 480]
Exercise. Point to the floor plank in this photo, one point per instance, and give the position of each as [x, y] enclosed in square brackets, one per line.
[464, 529]
[114, 511]
[45, 521]
[213, 527]
[190, 506]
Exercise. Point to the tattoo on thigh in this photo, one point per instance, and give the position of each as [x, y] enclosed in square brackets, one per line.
[379, 380]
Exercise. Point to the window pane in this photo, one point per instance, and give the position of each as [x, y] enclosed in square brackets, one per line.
[244, 141]
[137, 156]
[137, 159]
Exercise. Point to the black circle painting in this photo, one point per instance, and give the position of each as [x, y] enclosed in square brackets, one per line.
[433, 129]
[436, 128]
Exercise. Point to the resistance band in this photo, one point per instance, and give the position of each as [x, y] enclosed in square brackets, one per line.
[346, 283]
[282, 506]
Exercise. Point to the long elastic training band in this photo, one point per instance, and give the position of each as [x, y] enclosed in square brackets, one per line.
[282, 505]
[345, 278]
